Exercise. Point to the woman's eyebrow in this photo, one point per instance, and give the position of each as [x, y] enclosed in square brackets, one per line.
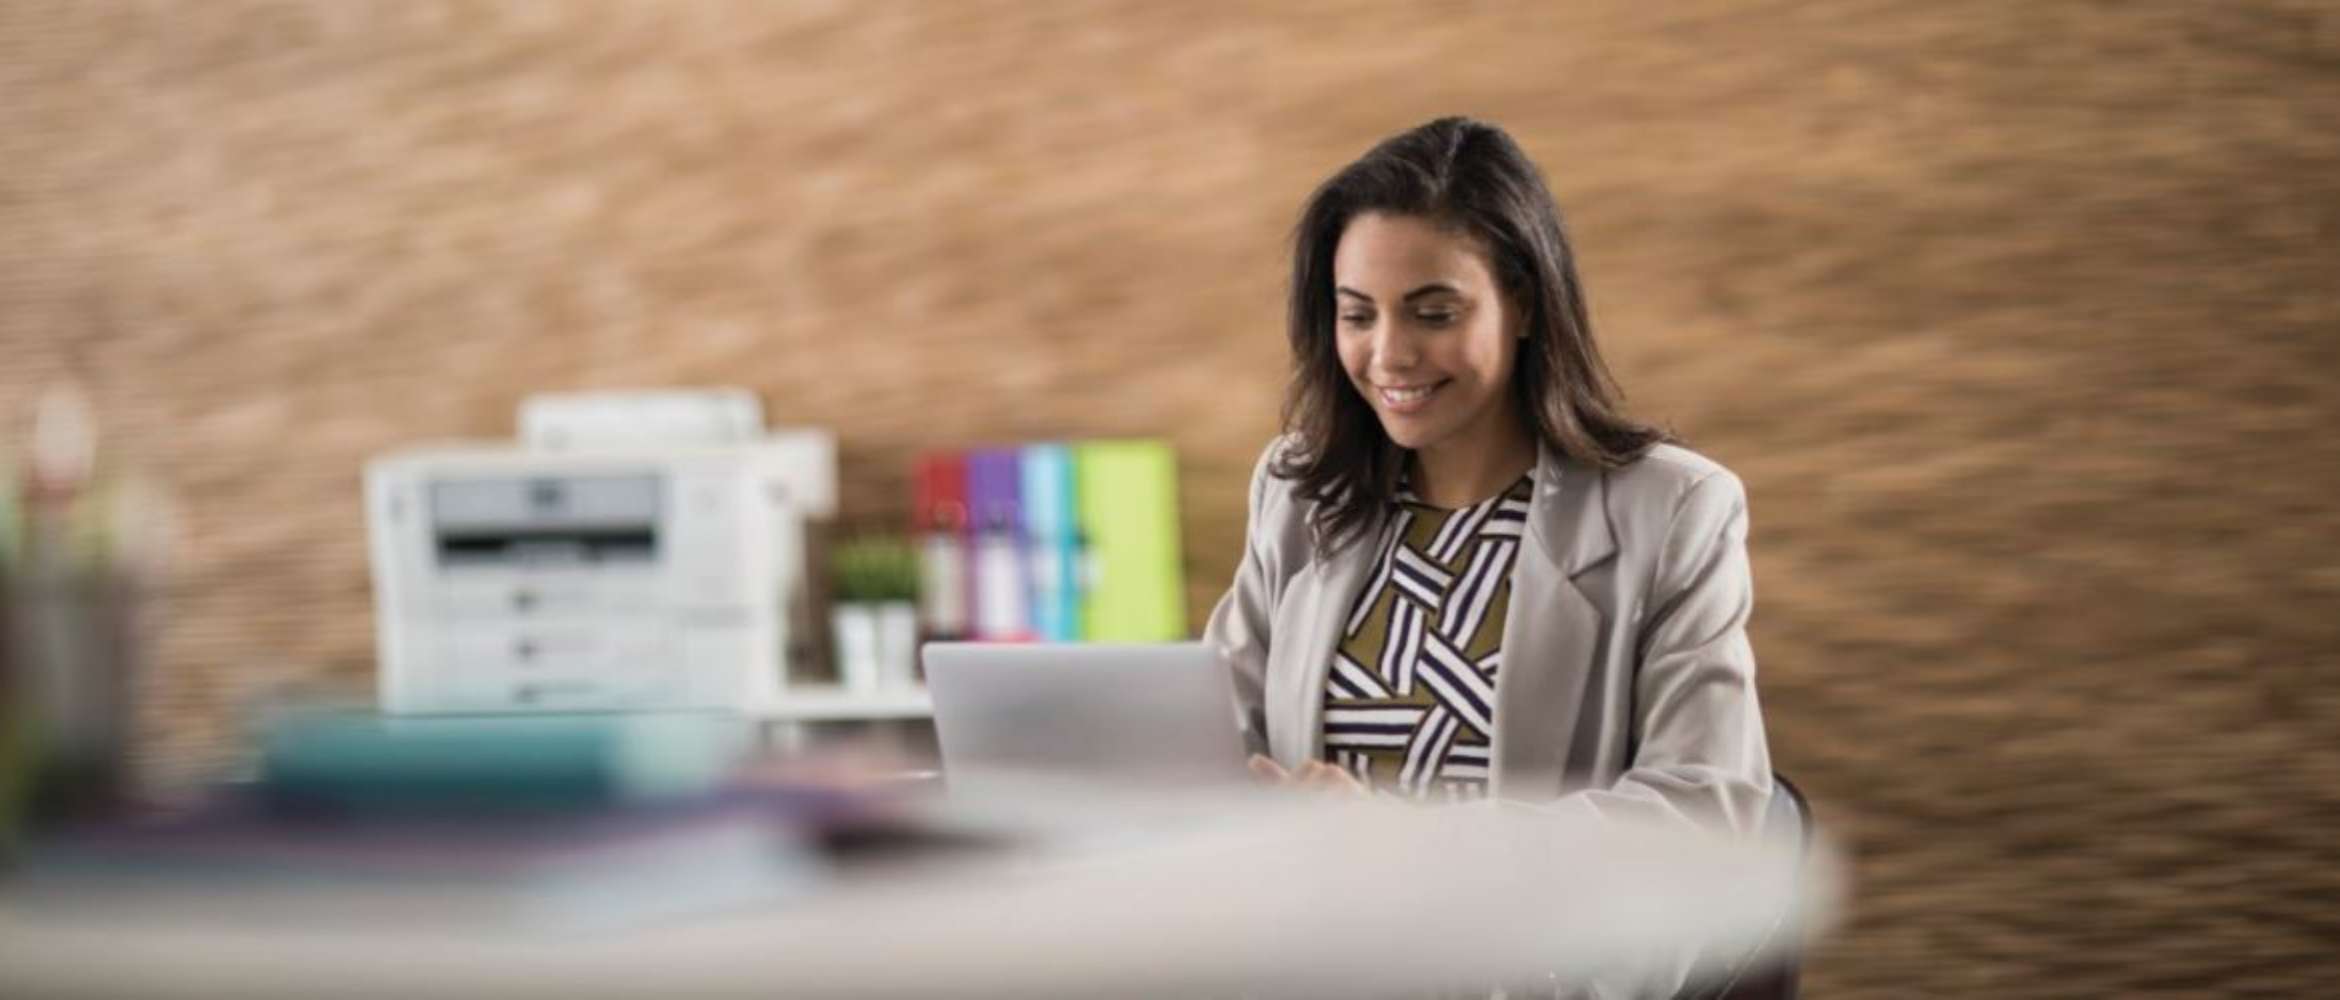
[1432, 288]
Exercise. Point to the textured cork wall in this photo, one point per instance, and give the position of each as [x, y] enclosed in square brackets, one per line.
[2018, 320]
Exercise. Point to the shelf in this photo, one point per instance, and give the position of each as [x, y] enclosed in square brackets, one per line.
[824, 704]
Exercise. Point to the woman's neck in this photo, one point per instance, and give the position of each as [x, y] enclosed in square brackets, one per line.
[1460, 473]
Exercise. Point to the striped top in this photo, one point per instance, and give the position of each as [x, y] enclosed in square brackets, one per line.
[1409, 704]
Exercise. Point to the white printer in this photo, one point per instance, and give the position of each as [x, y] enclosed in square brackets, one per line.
[636, 551]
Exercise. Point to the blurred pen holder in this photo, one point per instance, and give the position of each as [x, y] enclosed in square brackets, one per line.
[70, 658]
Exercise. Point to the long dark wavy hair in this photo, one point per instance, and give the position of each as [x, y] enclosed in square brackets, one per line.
[1471, 177]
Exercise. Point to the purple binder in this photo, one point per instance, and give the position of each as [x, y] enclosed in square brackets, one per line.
[996, 516]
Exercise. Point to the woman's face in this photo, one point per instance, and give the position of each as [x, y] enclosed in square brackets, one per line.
[1423, 331]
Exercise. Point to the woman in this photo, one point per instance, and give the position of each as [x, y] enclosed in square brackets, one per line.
[1468, 573]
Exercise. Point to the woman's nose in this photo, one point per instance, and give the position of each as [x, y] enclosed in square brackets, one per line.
[1394, 348]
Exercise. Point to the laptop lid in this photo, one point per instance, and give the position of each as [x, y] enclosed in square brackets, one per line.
[1161, 713]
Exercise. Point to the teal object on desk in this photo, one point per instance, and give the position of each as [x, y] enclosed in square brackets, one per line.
[465, 765]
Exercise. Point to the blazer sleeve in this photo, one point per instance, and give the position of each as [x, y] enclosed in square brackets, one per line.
[1238, 630]
[1699, 754]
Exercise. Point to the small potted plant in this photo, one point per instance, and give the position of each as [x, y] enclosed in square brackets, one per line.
[875, 618]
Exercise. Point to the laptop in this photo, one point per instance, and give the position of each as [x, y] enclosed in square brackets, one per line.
[1122, 714]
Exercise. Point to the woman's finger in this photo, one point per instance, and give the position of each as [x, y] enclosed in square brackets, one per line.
[1335, 779]
[1268, 770]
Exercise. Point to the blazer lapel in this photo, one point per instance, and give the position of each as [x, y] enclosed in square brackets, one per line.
[1551, 631]
[1321, 595]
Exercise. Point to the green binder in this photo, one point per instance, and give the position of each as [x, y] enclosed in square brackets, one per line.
[1129, 516]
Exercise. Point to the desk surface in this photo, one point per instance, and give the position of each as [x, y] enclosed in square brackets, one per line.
[807, 703]
[1269, 898]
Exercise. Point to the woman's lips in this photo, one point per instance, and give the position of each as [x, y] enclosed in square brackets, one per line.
[1408, 399]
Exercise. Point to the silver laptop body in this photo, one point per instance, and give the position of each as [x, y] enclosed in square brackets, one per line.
[1127, 714]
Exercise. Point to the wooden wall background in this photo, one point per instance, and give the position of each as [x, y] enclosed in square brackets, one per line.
[2018, 320]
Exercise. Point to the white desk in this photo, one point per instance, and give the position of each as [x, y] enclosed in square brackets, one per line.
[835, 704]
[1271, 900]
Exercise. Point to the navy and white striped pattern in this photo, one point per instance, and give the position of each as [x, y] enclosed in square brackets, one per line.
[1509, 519]
[1381, 577]
[1349, 679]
[1458, 685]
[1363, 727]
[1417, 577]
[1409, 702]
[1490, 568]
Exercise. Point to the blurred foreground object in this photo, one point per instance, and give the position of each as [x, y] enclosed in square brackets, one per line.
[1112, 893]
[81, 553]
[516, 823]
[360, 764]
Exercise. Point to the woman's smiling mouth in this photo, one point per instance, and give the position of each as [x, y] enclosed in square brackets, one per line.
[1408, 398]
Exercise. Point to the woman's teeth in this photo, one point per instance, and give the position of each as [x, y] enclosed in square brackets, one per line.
[1408, 398]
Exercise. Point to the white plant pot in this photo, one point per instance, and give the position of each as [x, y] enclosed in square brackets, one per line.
[860, 650]
[897, 645]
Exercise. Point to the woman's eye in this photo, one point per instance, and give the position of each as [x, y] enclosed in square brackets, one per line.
[1440, 318]
[1357, 319]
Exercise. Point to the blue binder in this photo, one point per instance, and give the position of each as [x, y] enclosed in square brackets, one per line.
[1052, 529]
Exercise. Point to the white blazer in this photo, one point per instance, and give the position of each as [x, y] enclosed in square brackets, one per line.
[1627, 685]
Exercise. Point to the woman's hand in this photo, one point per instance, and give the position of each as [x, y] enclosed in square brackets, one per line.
[1314, 775]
